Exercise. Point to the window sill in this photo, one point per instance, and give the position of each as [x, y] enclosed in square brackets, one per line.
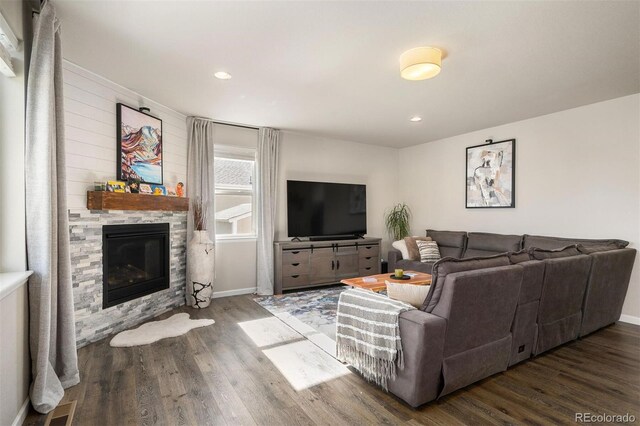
[231, 238]
[10, 281]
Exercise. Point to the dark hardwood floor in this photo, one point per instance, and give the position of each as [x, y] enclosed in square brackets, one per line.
[217, 375]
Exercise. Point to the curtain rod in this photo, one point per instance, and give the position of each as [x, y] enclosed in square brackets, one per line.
[243, 126]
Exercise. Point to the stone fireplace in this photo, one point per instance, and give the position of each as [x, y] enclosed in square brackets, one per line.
[144, 265]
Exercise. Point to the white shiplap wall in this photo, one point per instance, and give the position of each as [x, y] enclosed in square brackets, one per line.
[90, 131]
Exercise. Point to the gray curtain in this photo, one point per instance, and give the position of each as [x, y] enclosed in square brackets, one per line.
[200, 173]
[51, 315]
[266, 184]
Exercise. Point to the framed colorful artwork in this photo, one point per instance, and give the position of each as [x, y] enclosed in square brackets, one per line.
[491, 179]
[139, 146]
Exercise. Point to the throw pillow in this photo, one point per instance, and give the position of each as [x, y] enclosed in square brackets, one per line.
[408, 293]
[412, 246]
[429, 251]
[401, 246]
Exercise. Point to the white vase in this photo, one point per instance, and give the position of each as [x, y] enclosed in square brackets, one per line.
[201, 270]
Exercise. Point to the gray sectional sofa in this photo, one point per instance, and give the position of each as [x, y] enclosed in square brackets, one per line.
[497, 300]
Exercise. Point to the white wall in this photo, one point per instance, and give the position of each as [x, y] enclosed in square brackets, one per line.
[12, 204]
[15, 363]
[90, 132]
[304, 157]
[577, 175]
[14, 349]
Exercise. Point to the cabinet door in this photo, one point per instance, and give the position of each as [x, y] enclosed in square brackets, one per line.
[323, 266]
[346, 262]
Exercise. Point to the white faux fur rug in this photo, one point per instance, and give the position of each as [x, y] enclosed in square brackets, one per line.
[150, 332]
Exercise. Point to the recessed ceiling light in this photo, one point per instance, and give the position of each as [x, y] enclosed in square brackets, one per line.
[415, 119]
[420, 63]
[222, 75]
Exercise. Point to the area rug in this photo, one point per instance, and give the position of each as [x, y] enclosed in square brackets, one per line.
[311, 313]
[150, 332]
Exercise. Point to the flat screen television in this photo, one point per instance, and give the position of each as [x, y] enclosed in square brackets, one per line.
[320, 209]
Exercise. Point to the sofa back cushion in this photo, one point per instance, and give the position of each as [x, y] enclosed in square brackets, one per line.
[449, 265]
[450, 243]
[487, 244]
[542, 254]
[597, 248]
[609, 278]
[551, 243]
[560, 312]
[479, 307]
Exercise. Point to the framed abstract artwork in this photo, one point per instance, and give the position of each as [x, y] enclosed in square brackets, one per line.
[491, 179]
[139, 146]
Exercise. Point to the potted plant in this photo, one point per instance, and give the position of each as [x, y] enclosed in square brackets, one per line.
[397, 221]
[200, 259]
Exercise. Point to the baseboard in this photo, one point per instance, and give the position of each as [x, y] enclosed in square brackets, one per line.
[22, 413]
[236, 292]
[630, 319]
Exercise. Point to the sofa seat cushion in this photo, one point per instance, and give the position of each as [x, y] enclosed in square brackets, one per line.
[551, 243]
[449, 265]
[450, 243]
[542, 254]
[488, 244]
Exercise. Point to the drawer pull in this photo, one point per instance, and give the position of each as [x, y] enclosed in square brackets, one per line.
[369, 257]
[367, 268]
[295, 276]
[295, 252]
[295, 264]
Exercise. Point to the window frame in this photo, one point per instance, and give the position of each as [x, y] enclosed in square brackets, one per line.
[229, 152]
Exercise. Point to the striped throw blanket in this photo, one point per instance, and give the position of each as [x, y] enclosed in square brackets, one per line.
[368, 334]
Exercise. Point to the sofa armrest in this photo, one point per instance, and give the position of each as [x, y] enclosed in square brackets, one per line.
[393, 256]
[422, 336]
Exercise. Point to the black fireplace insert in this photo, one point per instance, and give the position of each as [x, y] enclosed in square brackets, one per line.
[135, 261]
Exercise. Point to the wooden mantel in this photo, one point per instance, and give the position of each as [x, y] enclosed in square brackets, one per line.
[103, 200]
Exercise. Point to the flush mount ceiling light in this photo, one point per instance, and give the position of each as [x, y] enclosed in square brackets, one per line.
[222, 75]
[415, 119]
[420, 63]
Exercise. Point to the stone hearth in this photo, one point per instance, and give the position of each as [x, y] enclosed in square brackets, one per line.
[92, 321]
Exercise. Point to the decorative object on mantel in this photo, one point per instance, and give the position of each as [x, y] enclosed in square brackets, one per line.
[139, 145]
[151, 332]
[200, 259]
[116, 186]
[145, 188]
[491, 179]
[397, 221]
[180, 189]
[133, 186]
[158, 190]
[103, 200]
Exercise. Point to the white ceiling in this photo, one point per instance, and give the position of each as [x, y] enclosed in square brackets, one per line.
[331, 68]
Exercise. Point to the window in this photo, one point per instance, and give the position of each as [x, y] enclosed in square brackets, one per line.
[235, 179]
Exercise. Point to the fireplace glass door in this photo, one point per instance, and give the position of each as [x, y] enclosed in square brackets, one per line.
[136, 261]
